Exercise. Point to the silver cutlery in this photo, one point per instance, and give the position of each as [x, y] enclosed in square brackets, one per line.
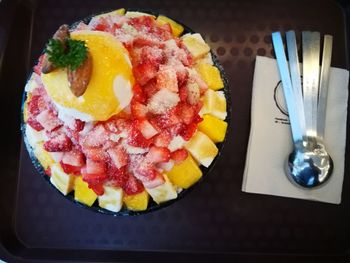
[309, 165]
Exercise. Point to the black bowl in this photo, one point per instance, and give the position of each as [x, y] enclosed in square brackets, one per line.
[152, 206]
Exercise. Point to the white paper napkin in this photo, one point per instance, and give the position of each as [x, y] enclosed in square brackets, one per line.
[270, 139]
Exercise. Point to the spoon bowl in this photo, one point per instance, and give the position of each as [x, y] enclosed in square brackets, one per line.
[309, 165]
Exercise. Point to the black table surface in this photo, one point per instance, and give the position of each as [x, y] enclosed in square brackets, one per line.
[216, 221]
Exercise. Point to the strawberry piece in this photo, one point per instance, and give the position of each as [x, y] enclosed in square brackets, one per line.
[34, 124]
[167, 120]
[146, 128]
[138, 110]
[60, 143]
[74, 158]
[73, 135]
[179, 156]
[166, 78]
[70, 169]
[137, 139]
[97, 188]
[118, 156]
[150, 88]
[152, 54]
[188, 131]
[117, 177]
[162, 140]
[157, 181]
[48, 120]
[144, 72]
[132, 186]
[96, 137]
[138, 93]
[78, 125]
[94, 167]
[183, 94]
[37, 68]
[158, 154]
[185, 112]
[197, 119]
[32, 105]
[48, 171]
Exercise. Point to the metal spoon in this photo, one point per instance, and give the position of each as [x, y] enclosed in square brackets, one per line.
[309, 165]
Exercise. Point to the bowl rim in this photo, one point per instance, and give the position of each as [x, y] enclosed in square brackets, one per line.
[152, 205]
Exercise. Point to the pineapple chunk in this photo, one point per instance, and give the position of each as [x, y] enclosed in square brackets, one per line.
[213, 127]
[33, 136]
[82, 192]
[112, 199]
[211, 76]
[196, 45]
[137, 14]
[43, 156]
[62, 181]
[164, 192]
[207, 59]
[120, 11]
[137, 202]
[202, 148]
[175, 27]
[185, 174]
[214, 103]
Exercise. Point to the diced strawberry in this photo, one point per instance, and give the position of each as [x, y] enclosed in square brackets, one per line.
[32, 105]
[118, 156]
[185, 112]
[138, 110]
[183, 94]
[142, 23]
[70, 169]
[141, 41]
[181, 74]
[197, 119]
[179, 156]
[73, 135]
[48, 120]
[48, 171]
[137, 139]
[37, 68]
[96, 137]
[162, 140]
[166, 120]
[152, 54]
[78, 125]
[132, 186]
[74, 158]
[150, 88]
[166, 78]
[60, 143]
[110, 143]
[146, 128]
[158, 154]
[93, 167]
[138, 93]
[101, 27]
[157, 181]
[34, 124]
[97, 188]
[117, 177]
[188, 131]
[95, 154]
[144, 72]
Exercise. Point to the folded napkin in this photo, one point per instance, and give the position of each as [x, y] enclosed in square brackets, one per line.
[270, 139]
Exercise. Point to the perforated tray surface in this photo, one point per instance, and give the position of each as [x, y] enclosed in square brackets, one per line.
[216, 217]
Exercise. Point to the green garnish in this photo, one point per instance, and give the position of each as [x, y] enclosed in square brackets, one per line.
[70, 57]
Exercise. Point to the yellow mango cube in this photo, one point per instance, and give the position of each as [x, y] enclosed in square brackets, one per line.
[176, 27]
[82, 192]
[163, 192]
[213, 127]
[137, 202]
[185, 174]
[202, 148]
[214, 103]
[43, 156]
[196, 45]
[120, 11]
[62, 181]
[211, 75]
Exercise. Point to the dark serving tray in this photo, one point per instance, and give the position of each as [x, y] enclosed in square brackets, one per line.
[216, 220]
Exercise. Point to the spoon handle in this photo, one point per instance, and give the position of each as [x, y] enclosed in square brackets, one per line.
[311, 65]
[287, 86]
[295, 76]
[324, 79]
